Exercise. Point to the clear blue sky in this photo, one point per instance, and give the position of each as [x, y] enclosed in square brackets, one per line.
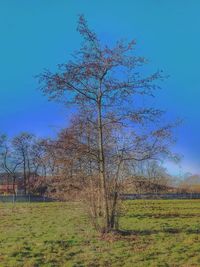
[38, 34]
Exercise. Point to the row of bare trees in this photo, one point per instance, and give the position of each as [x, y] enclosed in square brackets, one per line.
[20, 156]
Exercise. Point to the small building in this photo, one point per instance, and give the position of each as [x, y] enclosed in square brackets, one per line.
[10, 187]
[7, 189]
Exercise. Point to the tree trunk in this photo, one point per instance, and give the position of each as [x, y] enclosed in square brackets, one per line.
[102, 173]
[113, 217]
[25, 178]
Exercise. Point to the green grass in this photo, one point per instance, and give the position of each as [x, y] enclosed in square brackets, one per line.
[159, 233]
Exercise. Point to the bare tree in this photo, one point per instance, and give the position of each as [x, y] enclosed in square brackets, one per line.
[106, 86]
[22, 144]
[9, 162]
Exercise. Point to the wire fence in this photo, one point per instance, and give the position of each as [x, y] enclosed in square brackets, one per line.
[33, 198]
[24, 198]
[161, 196]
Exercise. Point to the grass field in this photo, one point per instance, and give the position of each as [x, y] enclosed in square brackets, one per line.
[162, 233]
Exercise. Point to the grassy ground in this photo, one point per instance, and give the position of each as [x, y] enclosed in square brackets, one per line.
[162, 233]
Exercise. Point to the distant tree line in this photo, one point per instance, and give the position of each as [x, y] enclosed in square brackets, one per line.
[60, 167]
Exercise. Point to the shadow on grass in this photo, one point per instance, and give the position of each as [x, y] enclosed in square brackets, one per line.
[147, 232]
[163, 216]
